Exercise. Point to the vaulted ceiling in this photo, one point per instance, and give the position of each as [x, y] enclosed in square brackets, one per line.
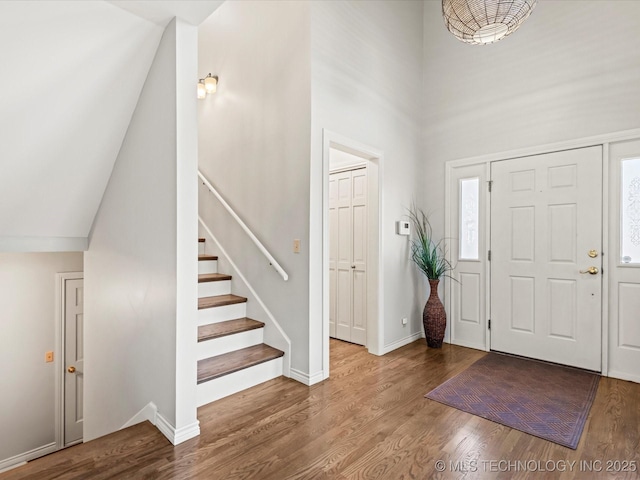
[72, 72]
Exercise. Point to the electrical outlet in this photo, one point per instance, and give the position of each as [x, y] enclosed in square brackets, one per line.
[48, 357]
[296, 245]
[404, 321]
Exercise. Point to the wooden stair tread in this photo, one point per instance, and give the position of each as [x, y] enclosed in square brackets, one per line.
[202, 258]
[201, 240]
[222, 329]
[213, 277]
[219, 301]
[231, 362]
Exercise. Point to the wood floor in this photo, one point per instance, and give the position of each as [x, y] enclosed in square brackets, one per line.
[369, 421]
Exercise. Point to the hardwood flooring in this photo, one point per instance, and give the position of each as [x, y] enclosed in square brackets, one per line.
[370, 420]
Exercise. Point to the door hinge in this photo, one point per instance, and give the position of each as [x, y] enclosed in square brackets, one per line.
[490, 183]
[489, 255]
[489, 324]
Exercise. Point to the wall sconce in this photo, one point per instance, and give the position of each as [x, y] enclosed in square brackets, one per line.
[207, 85]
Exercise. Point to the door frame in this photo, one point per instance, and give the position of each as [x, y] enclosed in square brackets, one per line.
[60, 330]
[604, 140]
[374, 160]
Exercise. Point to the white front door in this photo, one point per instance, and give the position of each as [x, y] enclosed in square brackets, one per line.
[546, 233]
[73, 361]
[347, 255]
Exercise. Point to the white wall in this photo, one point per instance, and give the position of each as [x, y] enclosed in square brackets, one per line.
[254, 148]
[366, 86]
[572, 70]
[72, 73]
[27, 331]
[134, 288]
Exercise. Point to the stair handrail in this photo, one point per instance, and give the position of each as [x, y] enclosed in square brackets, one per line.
[258, 243]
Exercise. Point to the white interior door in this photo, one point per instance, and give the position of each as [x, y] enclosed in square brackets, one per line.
[347, 255]
[74, 361]
[546, 219]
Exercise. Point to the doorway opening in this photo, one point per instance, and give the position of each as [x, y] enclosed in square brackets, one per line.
[355, 316]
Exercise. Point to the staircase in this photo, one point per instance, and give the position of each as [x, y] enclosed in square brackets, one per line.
[231, 354]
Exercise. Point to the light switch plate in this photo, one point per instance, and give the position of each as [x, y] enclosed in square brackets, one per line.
[48, 357]
[296, 245]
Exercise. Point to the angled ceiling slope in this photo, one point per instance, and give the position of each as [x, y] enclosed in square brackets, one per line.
[72, 74]
[161, 12]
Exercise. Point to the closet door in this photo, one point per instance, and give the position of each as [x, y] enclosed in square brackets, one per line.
[348, 253]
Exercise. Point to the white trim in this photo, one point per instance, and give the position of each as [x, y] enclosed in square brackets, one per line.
[22, 458]
[349, 168]
[375, 303]
[44, 244]
[307, 379]
[187, 432]
[549, 148]
[180, 435]
[286, 347]
[148, 412]
[604, 350]
[59, 355]
[402, 342]
[254, 239]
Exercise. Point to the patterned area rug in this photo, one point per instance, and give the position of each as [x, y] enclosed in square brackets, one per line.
[549, 401]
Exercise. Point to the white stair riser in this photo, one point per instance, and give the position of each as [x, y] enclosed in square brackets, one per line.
[207, 266]
[230, 343]
[211, 289]
[235, 382]
[200, 248]
[220, 314]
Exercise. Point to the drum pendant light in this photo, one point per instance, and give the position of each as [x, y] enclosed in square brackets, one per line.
[481, 22]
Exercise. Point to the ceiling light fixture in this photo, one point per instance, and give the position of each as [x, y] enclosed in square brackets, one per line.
[207, 85]
[481, 22]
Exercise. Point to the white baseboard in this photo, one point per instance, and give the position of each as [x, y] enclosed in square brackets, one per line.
[22, 458]
[401, 343]
[179, 435]
[624, 376]
[305, 378]
[187, 432]
[149, 412]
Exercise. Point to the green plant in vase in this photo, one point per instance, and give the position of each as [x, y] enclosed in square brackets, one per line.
[430, 257]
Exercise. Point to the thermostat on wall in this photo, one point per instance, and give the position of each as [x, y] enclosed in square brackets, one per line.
[403, 227]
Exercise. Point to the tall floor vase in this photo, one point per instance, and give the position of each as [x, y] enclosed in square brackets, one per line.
[434, 317]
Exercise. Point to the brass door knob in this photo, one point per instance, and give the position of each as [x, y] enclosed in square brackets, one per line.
[71, 369]
[590, 270]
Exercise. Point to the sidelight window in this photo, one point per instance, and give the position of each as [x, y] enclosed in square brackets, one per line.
[630, 211]
[469, 219]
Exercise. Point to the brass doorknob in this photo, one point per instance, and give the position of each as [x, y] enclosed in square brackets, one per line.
[590, 270]
[71, 369]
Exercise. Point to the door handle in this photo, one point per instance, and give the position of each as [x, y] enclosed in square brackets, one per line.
[71, 369]
[590, 271]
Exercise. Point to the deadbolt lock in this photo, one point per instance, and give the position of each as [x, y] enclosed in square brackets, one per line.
[593, 253]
